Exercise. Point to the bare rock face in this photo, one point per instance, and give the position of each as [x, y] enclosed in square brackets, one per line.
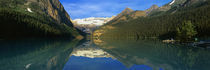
[174, 4]
[191, 2]
[127, 14]
[53, 8]
[137, 14]
[121, 16]
[40, 18]
[152, 8]
[126, 11]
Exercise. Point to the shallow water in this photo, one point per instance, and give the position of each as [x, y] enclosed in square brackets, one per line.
[101, 55]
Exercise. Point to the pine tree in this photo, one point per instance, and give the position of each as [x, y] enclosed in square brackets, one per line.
[186, 31]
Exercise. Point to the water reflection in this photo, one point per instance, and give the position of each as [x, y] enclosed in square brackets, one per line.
[89, 50]
[88, 56]
[157, 55]
[35, 54]
[100, 55]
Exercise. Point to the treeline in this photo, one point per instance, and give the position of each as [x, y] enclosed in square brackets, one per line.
[14, 24]
[163, 26]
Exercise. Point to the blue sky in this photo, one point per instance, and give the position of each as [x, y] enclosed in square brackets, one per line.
[105, 8]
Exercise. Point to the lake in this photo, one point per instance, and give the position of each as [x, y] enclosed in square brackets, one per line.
[101, 55]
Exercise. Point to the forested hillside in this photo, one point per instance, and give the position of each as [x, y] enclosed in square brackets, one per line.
[163, 24]
[35, 18]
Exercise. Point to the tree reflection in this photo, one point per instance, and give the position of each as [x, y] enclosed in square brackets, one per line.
[35, 54]
[157, 55]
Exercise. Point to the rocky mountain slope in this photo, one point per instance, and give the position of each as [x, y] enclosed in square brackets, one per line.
[46, 17]
[127, 14]
[153, 10]
[160, 22]
[174, 6]
[126, 11]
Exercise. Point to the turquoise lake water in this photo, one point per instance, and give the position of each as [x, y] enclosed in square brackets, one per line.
[101, 55]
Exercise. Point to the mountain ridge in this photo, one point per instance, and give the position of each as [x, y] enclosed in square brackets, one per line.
[126, 11]
[35, 18]
[126, 14]
[162, 22]
[88, 25]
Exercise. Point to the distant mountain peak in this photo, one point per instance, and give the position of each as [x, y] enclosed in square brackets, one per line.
[152, 8]
[88, 25]
[128, 9]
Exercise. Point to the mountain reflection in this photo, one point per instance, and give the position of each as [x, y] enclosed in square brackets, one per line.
[35, 54]
[156, 55]
[100, 55]
[91, 51]
[89, 56]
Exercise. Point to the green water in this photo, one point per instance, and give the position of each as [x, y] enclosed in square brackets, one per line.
[103, 55]
[35, 54]
[157, 55]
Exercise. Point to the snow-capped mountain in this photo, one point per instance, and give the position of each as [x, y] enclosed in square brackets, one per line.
[172, 2]
[89, 24]
[98, 21]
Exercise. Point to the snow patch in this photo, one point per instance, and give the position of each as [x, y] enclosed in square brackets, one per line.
[93, 20]
[29, 10]
[172, 2]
